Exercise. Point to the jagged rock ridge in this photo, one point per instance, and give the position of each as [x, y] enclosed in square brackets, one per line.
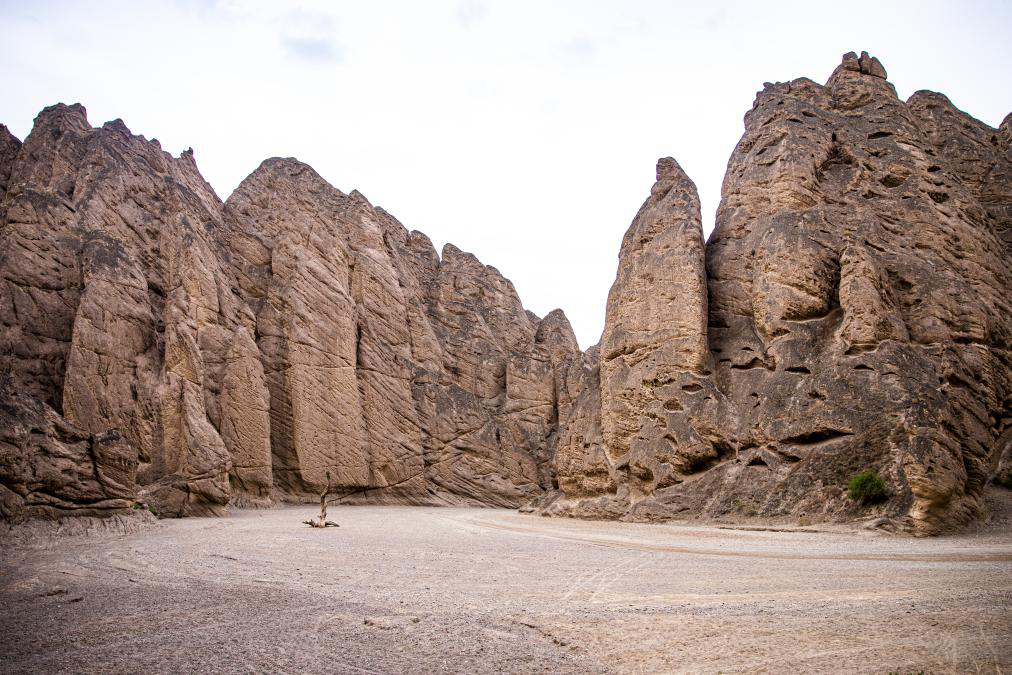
[158, 343]
[857, 290]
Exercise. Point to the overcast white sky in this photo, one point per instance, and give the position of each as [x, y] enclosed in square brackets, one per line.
[524, 132]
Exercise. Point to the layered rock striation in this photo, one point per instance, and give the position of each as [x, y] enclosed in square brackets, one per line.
[851, 311]
[159, 345]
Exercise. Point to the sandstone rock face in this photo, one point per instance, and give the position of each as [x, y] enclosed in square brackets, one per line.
[858, 295]
[9, 146]
[245, 421]
[410, 377]
[655, 331]
[114, 310]
[51, 467]
[159, 345]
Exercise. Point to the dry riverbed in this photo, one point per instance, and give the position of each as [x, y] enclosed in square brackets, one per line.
[480, 590]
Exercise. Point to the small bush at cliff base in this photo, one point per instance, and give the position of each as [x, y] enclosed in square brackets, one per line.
[867, 488]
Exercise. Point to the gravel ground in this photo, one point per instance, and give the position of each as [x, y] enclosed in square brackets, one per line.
[480, 590]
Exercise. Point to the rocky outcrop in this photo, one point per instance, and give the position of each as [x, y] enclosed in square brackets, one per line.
[52, 468]
[113, 307]
[240, 352]
[410, 377]
[9, 146]
[857, 289]
[655, 336]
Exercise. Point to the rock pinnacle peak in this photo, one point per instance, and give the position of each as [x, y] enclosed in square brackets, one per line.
[864, 64]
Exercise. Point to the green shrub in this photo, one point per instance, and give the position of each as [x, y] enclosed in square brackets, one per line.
[866, 487]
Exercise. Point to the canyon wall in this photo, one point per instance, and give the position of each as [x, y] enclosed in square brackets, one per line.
[158, 346]
[852, 310]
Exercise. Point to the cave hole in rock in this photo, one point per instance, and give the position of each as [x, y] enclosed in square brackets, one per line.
[954, 380]
[838, 165]
[754, 363]
[817, 437]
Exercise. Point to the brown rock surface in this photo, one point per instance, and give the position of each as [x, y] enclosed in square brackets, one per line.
[9, 146]
[655, 334]
[412, 379]
[151, 335]
[51, 468]
[245, 420]
[111, 296]
[858, 288]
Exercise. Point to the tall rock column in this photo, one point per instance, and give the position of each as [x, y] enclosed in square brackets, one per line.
[654, 338]
[107, 262]
[383, 365]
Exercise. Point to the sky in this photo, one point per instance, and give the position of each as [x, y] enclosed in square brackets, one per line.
[524, 132]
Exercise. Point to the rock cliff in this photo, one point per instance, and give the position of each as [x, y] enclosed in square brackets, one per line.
[851, 311]
[159, 345]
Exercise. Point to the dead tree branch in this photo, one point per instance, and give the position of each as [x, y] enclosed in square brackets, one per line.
[322, 520]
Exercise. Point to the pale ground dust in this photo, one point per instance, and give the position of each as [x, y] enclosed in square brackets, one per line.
[480, 590]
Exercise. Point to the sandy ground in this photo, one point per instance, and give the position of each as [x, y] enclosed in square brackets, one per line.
[479, 590]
